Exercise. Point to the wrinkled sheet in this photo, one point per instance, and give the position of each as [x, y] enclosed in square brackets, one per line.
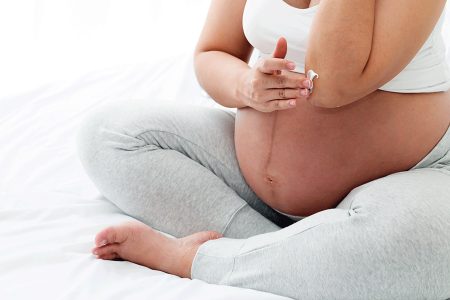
[49, 209]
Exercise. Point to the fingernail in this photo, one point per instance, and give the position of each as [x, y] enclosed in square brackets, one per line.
[104, 242]
[95, 253]
[292, 103]
[303, 92]
[307, 83]
[291, 66]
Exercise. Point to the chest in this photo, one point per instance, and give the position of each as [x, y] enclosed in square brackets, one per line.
[265, 21]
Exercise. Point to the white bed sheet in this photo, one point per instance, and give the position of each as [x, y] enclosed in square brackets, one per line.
[49, 209]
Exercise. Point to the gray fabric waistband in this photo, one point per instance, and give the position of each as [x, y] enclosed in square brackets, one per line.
[295, 218]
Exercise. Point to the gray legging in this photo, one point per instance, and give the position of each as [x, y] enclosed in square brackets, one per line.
[174, 168]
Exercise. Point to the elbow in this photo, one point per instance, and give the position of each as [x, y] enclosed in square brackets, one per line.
[332, 92]
[197, 58]
[339, 82]
[331, 98]
[199, 62]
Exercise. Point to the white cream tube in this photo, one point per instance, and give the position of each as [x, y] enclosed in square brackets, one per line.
[311, 75]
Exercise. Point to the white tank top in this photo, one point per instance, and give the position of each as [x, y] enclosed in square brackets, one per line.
[265, 21]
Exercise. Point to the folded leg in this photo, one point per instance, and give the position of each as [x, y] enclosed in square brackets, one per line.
[388, 239]
[173, 167]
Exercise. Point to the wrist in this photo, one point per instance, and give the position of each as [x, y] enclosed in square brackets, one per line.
[239, 87]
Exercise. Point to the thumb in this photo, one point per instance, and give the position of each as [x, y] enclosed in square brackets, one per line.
[280, 49]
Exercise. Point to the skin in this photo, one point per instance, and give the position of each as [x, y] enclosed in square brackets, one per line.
[305, 158]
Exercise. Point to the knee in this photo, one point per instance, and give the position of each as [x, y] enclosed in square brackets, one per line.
[406, 218]
[88, 131]
[418, 198]
[412, 203]
[108, 129]
[92, 135]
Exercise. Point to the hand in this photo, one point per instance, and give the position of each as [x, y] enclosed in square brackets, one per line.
[265, 89]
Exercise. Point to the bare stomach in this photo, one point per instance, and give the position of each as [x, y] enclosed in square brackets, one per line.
[307, 159]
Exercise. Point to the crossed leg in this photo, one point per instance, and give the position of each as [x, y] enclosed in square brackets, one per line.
[388, 239]
[175, 169]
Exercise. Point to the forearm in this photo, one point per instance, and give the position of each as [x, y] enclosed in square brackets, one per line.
[218, 73]
[339, 48]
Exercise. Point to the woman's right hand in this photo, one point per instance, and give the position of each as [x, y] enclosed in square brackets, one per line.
[265, 89]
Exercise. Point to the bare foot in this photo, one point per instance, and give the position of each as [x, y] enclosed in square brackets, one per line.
[138, 243]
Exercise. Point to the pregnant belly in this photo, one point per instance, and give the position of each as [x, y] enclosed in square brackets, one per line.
[307, 159]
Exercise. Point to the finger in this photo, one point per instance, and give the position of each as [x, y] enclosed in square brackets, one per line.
[284, 81]
[280, 51]
[269, 65]
[280, 48]
[278, 105]
[287, 93]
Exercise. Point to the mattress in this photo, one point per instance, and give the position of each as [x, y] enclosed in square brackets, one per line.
[50, 211]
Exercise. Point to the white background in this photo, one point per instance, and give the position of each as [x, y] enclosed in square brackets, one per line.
[47, 40]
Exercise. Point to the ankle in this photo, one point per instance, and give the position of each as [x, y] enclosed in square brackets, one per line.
[183, 261]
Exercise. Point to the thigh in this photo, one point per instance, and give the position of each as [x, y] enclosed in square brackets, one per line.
[203, 134]
[388, 239]
[188, 126]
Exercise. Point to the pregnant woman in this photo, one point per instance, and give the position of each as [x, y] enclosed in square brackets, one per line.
[334, 184]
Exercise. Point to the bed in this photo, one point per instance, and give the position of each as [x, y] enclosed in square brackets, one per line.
[50, 211]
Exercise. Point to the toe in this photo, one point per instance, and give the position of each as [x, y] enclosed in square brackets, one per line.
[110, 256]
[105, 236]
[111, 234]
[106, 250]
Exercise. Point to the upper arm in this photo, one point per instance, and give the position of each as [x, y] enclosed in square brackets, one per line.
[357, 46]
[223, 30]
[400, 30]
